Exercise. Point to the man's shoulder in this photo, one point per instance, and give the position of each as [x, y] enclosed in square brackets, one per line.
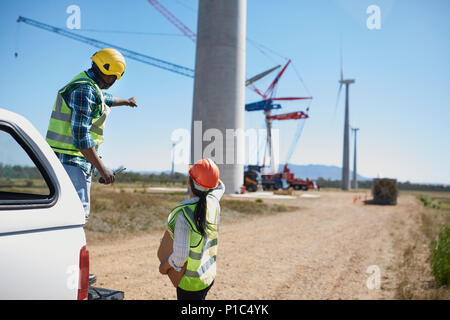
[85, 87]
[85, 90]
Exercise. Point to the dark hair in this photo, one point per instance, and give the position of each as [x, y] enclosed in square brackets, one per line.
[200, 210]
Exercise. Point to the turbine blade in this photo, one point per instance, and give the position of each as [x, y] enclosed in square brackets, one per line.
[337, 101]
[260, 75]
[342, 61]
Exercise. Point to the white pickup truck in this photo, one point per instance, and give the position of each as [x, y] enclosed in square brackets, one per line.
[42, 241]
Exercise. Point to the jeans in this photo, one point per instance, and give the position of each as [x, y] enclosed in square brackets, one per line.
[82, 183]
[193, 295]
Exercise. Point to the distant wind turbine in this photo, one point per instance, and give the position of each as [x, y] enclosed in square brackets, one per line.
[346, 150]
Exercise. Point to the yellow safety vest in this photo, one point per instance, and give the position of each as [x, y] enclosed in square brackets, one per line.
[59, 133]
[201, 262]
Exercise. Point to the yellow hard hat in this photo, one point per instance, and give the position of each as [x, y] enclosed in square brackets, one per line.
[110, 62]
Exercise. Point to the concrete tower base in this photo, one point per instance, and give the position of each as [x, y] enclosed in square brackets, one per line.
[219, 87]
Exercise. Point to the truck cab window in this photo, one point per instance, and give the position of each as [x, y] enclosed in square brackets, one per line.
[20, 178]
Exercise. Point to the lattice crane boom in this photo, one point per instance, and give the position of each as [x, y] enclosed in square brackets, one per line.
[174, 20]
[159, 63]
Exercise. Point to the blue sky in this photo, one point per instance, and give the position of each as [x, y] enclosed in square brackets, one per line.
[400, 100]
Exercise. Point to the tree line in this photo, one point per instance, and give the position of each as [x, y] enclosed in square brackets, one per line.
[26, 172]
[19, 172]
[407, 186]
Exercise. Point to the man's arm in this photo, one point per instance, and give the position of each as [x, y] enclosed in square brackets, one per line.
[112, 101]
[124, 102]
[91, 155]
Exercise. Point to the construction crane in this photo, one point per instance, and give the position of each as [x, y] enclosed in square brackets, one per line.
[174, 20]
[193, 36]
[126, 52]
[297, 115]
[159, 63]
[266, 105]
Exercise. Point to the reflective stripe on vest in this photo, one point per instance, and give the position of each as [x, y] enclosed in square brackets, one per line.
[59, 133]
[201, 262]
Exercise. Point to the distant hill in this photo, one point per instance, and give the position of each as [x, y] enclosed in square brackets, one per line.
[311, 171]
[315, 171]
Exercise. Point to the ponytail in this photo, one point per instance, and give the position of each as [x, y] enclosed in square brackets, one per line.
[200, 209]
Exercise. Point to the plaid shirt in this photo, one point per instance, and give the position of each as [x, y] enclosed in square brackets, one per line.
[82, 101]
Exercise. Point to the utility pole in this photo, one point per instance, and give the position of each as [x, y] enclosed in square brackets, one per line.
[355, 179]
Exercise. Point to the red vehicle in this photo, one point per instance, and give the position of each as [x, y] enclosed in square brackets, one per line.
[285, 180]
[297, 184]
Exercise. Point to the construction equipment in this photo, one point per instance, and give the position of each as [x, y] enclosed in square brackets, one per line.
[252, 178]
[384, 191]
[159, 63]
[295, 183]
[260, 75]
[266, 105]
[174, 20]
[193, 36]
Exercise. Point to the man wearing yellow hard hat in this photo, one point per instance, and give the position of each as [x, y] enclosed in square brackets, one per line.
[78, 119]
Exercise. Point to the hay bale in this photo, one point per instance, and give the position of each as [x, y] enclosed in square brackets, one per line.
[384, 191]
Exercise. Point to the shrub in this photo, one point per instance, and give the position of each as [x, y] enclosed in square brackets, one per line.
[425, 200]
[440, 261]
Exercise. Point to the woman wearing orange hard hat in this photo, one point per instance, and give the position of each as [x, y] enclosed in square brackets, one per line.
[188, 249]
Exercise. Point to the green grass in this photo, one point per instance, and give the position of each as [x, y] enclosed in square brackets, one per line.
[440, 260]
[435, 234]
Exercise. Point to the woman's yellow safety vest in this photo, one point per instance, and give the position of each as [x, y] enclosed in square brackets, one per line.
[201, 262]
[59, 133]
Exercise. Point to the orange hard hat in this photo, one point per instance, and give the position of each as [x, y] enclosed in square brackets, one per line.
[205, 173]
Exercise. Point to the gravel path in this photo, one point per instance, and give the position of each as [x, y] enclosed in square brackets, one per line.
[321, 251]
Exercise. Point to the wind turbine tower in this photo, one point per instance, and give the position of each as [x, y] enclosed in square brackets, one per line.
[355, 179]
[346, 151]
[219, 87]
[174, 144]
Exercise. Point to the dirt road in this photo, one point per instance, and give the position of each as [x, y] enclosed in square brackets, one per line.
[321, 251]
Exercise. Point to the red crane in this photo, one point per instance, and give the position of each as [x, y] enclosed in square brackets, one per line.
[174, 20]
[266, 105]
[289, 116]
[193, 36]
